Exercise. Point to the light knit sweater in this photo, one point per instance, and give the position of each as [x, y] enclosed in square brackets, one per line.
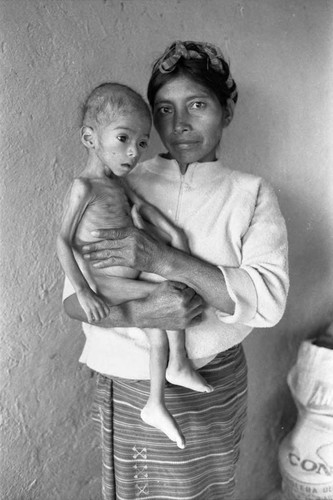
[232, 220]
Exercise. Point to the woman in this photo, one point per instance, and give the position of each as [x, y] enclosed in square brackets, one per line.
[237, 266]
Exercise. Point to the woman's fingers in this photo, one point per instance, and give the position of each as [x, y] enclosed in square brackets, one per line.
[174, 305]
[190, 298]
[131, 248]
[111, 251]
[112, 244]
[194, 301]
[195, 306]
[107, 244]
[111, 234]
[104, 258]
[178, 285]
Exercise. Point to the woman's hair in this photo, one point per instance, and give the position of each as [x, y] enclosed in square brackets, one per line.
[108, 101]
[204, 63]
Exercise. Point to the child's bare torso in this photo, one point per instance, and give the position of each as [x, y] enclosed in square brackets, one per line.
[107, 208]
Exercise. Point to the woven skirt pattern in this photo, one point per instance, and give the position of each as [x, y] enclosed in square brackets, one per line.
[139, 462]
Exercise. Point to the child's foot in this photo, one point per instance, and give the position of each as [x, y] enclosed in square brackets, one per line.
[186, 376]
[158, 416]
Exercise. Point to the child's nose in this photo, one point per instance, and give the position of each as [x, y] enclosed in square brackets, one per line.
[133, 151]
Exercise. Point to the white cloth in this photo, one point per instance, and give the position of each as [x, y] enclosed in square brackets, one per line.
[232, 220]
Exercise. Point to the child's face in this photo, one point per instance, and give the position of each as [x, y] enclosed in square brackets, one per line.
[120, 144]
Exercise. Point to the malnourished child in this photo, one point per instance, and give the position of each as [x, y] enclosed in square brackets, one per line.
[115, 131]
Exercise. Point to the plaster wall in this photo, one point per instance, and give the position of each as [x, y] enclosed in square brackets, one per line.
[52, 53]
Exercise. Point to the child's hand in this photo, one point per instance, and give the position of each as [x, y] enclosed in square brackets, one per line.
[179, 240]
[153, 222]
[94, 307]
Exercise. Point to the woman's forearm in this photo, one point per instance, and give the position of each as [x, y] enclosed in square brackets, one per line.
[171, 306]
[137, 249]
[205, 278]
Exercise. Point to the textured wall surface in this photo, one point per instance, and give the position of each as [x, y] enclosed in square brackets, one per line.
[52, 53]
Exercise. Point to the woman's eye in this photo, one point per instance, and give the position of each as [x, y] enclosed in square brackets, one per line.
[122, 138]
[164, 110]
[198, 105]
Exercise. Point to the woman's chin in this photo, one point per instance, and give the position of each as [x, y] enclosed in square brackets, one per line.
[184, 158]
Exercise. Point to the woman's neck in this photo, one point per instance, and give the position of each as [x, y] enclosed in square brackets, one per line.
[182, 166]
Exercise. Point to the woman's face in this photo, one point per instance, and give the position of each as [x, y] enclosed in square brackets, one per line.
[189, 119]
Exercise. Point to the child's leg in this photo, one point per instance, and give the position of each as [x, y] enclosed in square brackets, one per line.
[179, 370]
[155, 412]
[116, 290]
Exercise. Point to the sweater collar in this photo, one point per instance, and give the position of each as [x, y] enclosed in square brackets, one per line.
[196, 172]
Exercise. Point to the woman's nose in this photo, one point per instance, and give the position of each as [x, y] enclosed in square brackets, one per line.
[181, 122]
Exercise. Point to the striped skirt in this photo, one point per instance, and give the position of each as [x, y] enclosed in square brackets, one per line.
[139, 462]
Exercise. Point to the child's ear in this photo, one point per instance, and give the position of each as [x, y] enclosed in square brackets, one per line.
[87, 137]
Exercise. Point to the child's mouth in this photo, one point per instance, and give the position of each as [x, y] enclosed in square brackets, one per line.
[127, 166]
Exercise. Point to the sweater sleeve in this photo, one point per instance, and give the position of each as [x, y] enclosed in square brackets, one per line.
[259, 287]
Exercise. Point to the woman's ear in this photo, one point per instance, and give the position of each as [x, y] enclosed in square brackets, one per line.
[228, 112]
[87, 137]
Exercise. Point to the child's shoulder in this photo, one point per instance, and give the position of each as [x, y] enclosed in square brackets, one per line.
[88, 184]
[95, 186]
[81, 183]
[81, 187]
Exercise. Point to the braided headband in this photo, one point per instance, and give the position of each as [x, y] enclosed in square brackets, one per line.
[168, 61]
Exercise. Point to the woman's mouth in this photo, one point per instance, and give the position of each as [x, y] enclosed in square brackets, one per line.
[184, 144]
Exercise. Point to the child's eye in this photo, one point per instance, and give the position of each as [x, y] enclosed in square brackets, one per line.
[122, 138]
[143, 144]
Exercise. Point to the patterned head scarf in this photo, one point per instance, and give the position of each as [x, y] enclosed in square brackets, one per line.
[198, 50]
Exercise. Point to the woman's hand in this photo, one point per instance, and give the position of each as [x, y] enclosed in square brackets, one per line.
[130, 247]
[171, 306]
[135, 248]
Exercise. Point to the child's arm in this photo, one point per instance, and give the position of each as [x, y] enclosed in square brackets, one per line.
[151, 220]
[76, 202]
[147, 217]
